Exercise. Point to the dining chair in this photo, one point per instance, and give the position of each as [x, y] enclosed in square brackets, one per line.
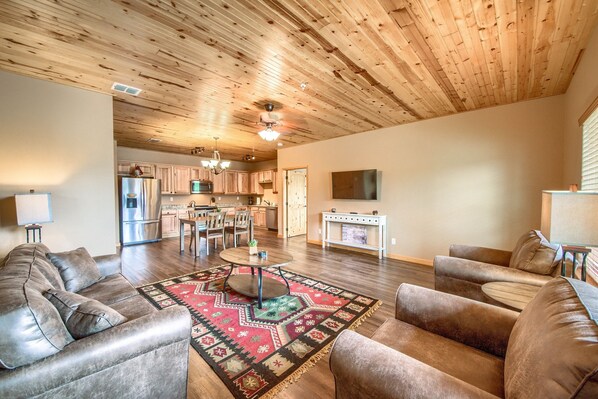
[214, 229]
[240, 226]
[195, 214]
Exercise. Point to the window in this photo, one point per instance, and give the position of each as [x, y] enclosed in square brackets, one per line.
[589, 171]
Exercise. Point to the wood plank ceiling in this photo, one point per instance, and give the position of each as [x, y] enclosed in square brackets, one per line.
[208, 67]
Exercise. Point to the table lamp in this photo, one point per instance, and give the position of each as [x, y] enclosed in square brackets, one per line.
[33, 208]
[571, 219]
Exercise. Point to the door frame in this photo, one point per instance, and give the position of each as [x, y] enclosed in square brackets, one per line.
[285, 213]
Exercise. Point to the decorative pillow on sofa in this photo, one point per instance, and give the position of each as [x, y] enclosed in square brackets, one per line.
[535, 254]
[83, 316]
[77, 268]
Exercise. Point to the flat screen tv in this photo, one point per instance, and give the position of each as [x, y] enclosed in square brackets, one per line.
[355, 184]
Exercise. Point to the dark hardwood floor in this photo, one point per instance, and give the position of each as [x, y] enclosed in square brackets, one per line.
[366, 274]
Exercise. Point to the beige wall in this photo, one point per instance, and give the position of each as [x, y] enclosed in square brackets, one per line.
[582, 91]
[470, 178]
[58, 139]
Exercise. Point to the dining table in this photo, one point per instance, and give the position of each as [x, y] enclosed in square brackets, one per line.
[199, 224]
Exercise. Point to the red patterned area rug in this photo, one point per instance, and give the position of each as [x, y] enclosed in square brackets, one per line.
[258, 352]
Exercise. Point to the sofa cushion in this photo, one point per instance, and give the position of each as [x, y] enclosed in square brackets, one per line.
[555, 340]
[471, 365]
[134, 307]
[31, 327]
[535, 254]
[110, 290]
[77, 268]
[83, 316]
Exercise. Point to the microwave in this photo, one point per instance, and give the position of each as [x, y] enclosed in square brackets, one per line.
[201, 186]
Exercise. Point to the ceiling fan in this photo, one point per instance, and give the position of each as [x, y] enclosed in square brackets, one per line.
[269, 119]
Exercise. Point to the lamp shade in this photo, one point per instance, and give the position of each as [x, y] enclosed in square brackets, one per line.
[33, 208]
[570, 218]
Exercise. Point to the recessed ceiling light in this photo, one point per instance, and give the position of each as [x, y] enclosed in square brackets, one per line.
[153, 140]
[280, 144]
[123, 88]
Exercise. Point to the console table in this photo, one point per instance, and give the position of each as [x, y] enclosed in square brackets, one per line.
[355, 218]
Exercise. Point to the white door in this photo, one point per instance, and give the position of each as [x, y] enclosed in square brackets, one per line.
[296, 202]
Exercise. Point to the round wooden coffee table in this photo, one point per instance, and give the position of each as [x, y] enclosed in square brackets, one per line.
[515, 295]
[256, 286]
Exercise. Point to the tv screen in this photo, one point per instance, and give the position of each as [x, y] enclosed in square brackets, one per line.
[355, 184]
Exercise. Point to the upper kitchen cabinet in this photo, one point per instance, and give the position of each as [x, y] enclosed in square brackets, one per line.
[254, 186]
[230, 182]
[182, 178]
[265, 176]
[218, 183]
[164, 173]
[200, 174]
[175, 179]
[243, 182]
[127, 168]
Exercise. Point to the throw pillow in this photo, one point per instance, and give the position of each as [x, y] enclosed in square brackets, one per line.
[534, 253]
[83, 316]
[77, 268]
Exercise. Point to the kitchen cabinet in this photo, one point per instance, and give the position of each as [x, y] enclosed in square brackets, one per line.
[265, 176]
[169, 223]
[254, 186]
[218, 183]
[181, 178]
[165, 174]
[175, 178]
[200, 173]
[126, 168]
[259, 216]
[243, 182]
[230, 182]
[274, 182]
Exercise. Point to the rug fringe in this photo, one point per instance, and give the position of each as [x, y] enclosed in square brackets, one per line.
[297, 374]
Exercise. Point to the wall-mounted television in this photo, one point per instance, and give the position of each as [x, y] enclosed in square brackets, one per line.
[355, 184]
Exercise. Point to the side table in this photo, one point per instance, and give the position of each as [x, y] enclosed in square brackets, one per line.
[514, 295]
[574, 251]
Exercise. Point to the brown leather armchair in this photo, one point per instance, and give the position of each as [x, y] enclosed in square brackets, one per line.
[533, 261]
[444, 346]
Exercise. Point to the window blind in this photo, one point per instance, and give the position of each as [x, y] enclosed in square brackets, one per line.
[589, 173]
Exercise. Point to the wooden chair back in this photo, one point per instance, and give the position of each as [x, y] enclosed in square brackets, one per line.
[215, 221]
[242, 219]
[197, 214]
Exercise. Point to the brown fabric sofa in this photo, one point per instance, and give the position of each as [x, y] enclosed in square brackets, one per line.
[533, 261]
[144, 354]
[444, 346]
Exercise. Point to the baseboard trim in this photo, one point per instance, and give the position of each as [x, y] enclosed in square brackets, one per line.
[404, 258]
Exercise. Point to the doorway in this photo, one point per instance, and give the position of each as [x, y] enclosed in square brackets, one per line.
[296, 203]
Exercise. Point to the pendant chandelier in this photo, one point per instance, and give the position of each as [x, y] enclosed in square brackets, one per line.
[268, 134]
[216, 165]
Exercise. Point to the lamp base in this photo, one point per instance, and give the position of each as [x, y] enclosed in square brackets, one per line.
[34, 228]
[574, 250]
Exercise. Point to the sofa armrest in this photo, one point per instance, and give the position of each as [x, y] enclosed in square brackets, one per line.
[476, 324]
[481, 254]
[481, 273]
[99, 352]
[108, 264]
[364, 368]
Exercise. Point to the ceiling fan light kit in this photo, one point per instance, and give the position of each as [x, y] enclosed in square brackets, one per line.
[267, 119]
[216, 165]
[268, 134]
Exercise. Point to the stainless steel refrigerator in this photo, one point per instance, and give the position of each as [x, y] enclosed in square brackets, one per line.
[140, 210]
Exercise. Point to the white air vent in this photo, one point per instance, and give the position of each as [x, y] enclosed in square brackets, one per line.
[126, 89]
[153, 140]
